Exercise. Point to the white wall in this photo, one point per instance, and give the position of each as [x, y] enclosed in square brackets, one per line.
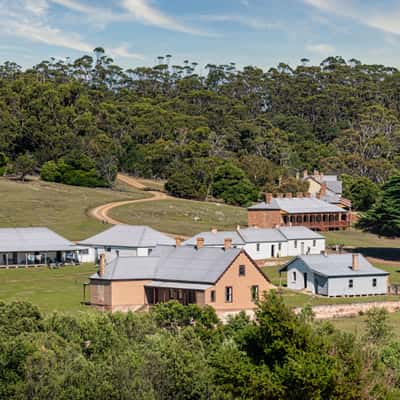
[308, 244]
[265, 250]
[86, 255]
[299, 269]
[362, 285]
[123, 251]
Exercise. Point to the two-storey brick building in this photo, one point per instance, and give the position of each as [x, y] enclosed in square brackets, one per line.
[308, 211]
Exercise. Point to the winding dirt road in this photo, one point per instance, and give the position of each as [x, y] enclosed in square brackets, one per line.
[101, 212]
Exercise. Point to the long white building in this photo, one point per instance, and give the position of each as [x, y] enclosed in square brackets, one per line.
[265, 243]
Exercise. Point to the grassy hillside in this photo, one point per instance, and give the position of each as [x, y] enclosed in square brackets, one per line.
[183, 217]
[59, 207]
[50, 289]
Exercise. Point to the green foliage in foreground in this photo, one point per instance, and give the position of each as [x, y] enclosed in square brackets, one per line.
[178, 352]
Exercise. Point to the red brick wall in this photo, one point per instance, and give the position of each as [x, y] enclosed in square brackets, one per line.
[264, 218]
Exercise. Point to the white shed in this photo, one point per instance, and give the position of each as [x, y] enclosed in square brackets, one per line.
[336, 275]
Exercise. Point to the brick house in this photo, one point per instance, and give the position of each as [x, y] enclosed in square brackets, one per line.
[307, 211]
[224, 278]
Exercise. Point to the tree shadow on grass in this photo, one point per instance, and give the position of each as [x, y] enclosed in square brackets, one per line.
[385, 253]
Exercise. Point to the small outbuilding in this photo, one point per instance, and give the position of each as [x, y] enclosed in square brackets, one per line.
[336, 275]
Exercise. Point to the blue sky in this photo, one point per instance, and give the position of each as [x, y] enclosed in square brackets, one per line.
[248, 32]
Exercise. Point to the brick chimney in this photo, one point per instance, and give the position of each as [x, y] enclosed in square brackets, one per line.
[279, 195]
[268, 198]
[199, 243]
[102, 264]
[305, 173]
[318, 195]
[308, 194]
[178, 241]
[288, 195]
[322, 191]
[227, 243]
[299, 194]
[355, 260]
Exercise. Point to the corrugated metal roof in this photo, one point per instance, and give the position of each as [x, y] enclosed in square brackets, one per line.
[32, 239]
[168, 263]
[215, 238]
[298, 205]
[178, 285]
[299, 232]
[129, 236]
[334, 186]
[259, 235]
[336, 265]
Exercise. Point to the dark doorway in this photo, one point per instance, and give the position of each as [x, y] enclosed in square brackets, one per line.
[305, 280]
[273, 251]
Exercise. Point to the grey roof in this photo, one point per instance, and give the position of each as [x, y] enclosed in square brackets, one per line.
[297, 205]
[257, 235]
[299, 232]
[178, 285]
[337, 265]
[334, 186]
[215, 238]
[129, 236]
[32, 239]
[175, 264]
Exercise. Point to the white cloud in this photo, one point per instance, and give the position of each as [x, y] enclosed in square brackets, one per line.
[123, 51]
[386, 20]
[28, 19]
[143, 11]
[250, 22]
[37, 7]
[321, 48]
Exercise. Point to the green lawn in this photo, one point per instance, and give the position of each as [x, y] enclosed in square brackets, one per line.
[356, 324]
[366, 243]
[59, 207]
[183, 217]
[50, 289]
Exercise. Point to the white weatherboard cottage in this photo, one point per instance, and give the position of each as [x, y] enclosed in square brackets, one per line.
[336, 275]
[265, 243]
[126, 240]
[34, 246]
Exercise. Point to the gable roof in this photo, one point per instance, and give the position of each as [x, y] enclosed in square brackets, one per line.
[254, 235]
[168, 263]
[32, 239]
[297, 205]
[337, 265]
[129, 236]
[299, 232]
[215, 238]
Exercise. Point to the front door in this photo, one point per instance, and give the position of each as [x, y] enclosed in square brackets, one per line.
[305, 280]
[302, 248]
[273, 251]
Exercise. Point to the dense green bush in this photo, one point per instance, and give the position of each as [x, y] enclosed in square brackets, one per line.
[232, 185]
[77, 170]
[184, 352]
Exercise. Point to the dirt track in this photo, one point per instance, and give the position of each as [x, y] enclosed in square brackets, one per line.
[101, 212]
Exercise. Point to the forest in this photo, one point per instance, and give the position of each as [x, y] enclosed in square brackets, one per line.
[80, 121]
[184, 352]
